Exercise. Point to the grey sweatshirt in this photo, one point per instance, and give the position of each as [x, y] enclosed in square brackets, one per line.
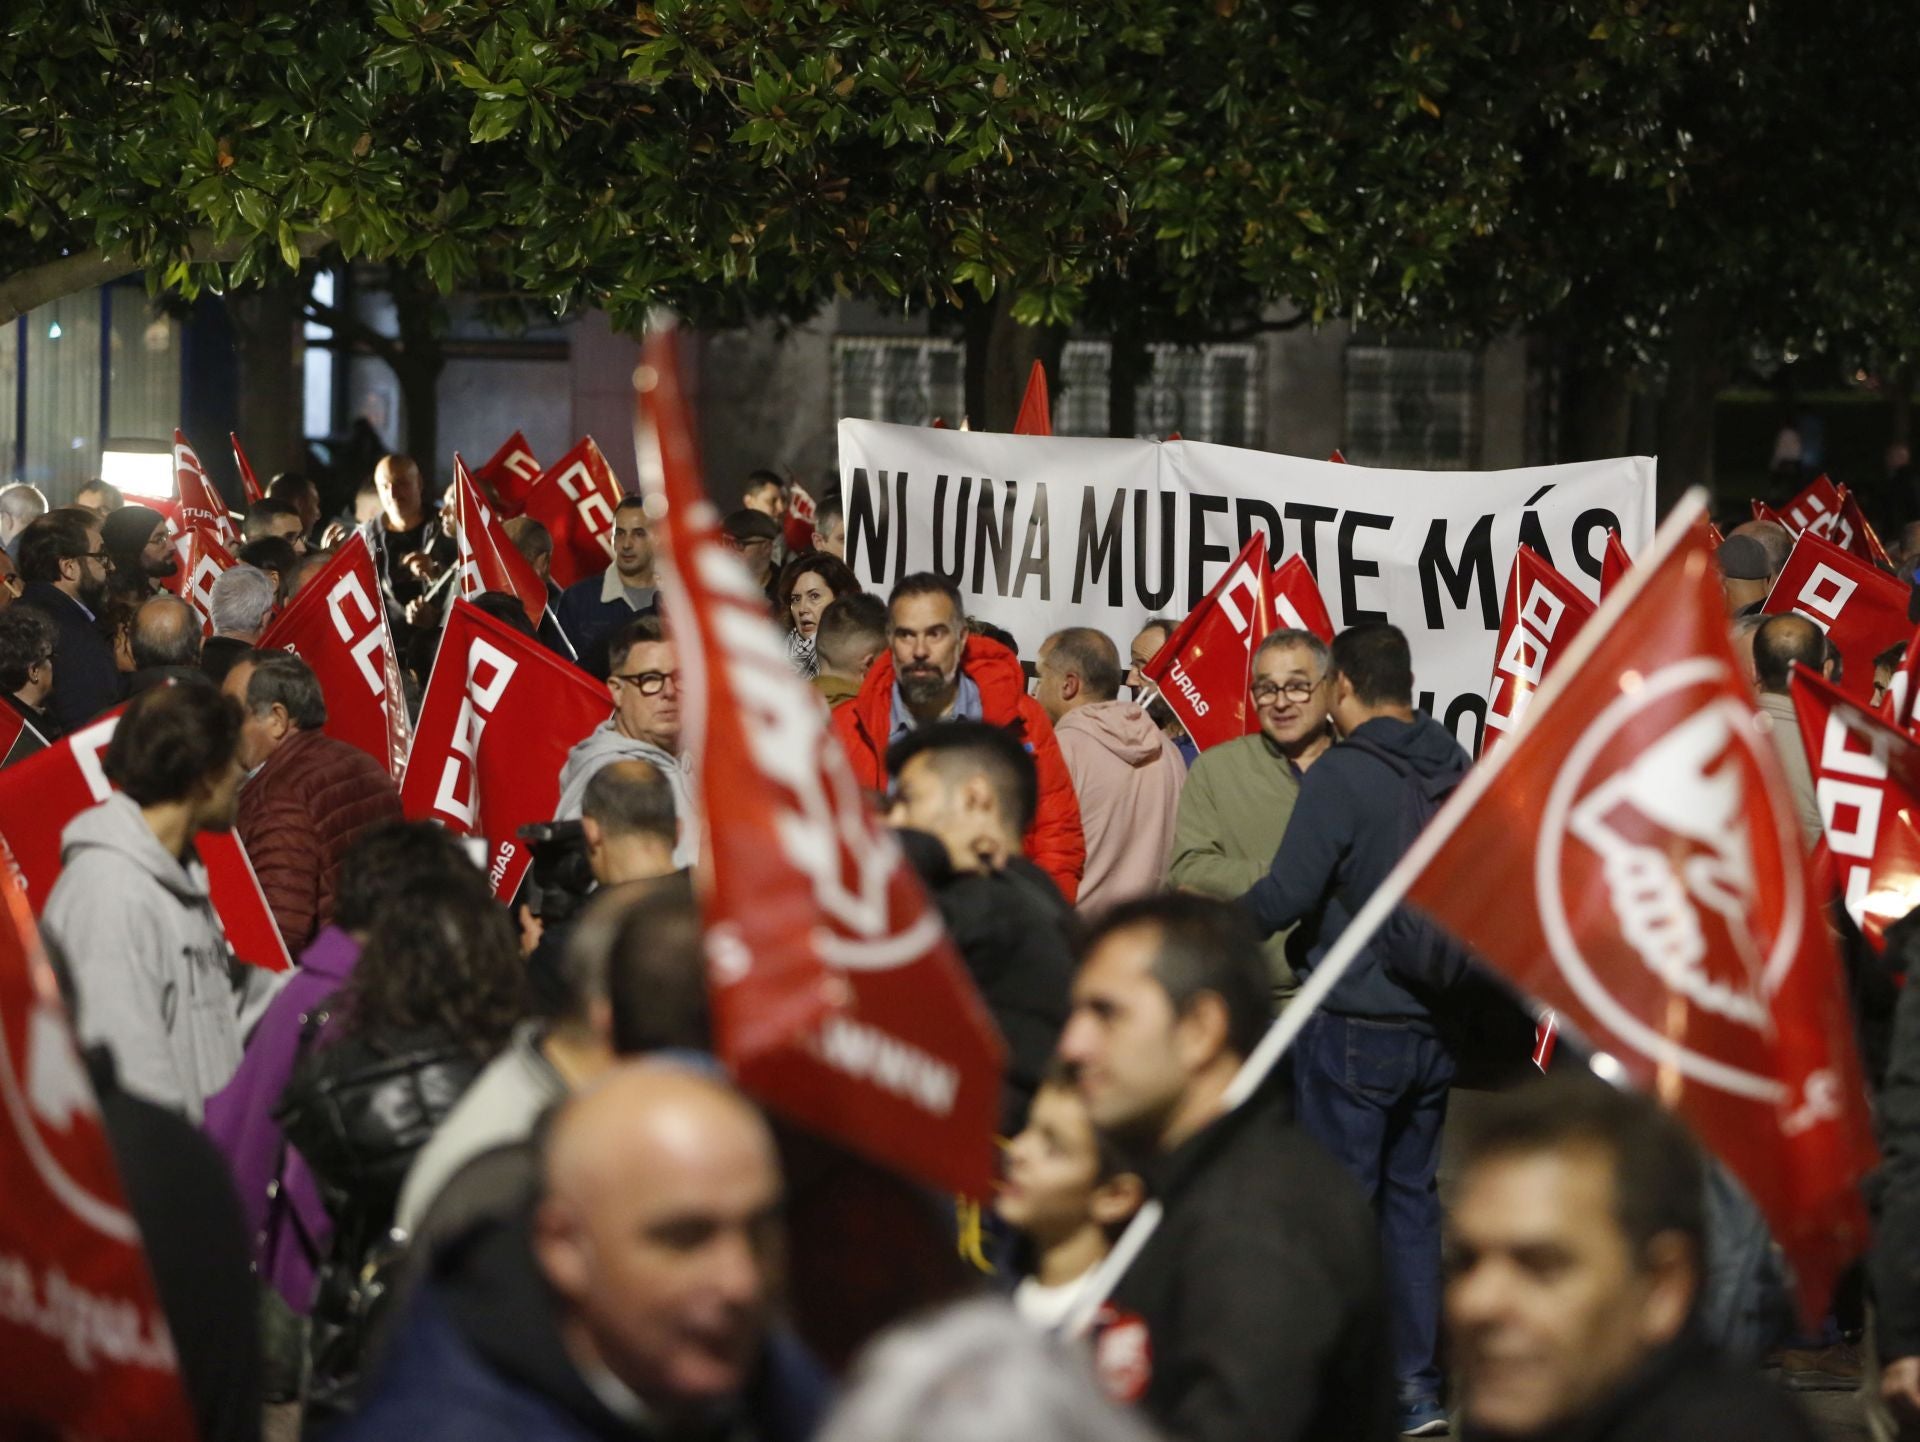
[603, 746]
[150, 963]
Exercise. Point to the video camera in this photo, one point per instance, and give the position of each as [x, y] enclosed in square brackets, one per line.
[560, 878]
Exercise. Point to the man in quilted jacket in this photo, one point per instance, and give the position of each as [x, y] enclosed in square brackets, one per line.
[307, 797]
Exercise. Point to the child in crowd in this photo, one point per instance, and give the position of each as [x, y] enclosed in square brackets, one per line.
[1066, 1195]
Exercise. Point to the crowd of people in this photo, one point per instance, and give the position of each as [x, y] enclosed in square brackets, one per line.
[470, 1168]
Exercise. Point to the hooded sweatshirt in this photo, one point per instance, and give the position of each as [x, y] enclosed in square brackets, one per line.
[149, 960]
[605, 745]
[1128, 776]
[1357, 814]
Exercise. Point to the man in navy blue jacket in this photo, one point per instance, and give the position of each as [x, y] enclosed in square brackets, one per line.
[66, 569]
[1370, 1070]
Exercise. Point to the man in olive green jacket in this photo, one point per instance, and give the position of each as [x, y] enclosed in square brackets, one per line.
[1239, 795]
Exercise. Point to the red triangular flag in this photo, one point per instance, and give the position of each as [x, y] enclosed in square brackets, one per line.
[1867, 778]
[1201, 671]
[1036, 416]
[94, 1359]
[207, 562]
[249, 484]
[47, 790]
[1337, 457]
[1631, 858]
[500, 714]
[1292, 601]
[489, 561]
[18, 738]
[199, 500]
[837, 997]
[510, 474]
[1541, 615]
[1862, 609]
[575, 501]
[1858, 532]
[1614, 564]
[338, 626]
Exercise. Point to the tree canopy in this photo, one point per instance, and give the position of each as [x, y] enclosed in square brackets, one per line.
[732, 157]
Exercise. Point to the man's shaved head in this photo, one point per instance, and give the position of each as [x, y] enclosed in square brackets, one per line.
[1775, 539]
[658, 1225]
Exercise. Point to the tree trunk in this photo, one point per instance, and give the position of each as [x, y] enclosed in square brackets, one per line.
[1012, 349]
[1696, 373]
[1597, 408]
[266, 336]
[420, 362]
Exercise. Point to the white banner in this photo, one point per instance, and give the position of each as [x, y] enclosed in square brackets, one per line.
[1041, 532]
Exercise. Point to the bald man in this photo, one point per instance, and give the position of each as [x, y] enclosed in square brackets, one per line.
[413, 545]
[166, 643]
[631, 1299]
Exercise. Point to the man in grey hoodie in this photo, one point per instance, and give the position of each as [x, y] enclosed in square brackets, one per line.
[148, 956]
[644, 679]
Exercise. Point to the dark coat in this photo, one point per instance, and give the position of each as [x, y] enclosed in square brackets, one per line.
[298, 816]
[1261, 1291]
[1895, 1265]
[1685, 1391]
[178, 1190]
[590, 621]
[478, 1358]
[85, 679]
[1355, 818]
[1014, 931]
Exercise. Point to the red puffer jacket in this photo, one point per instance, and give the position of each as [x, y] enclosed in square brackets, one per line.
[1055, 843]
[299, 814]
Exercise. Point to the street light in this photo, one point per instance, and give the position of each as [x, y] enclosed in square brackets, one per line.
[139, 467]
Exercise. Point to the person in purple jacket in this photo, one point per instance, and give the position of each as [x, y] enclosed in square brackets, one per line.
[281, 1201]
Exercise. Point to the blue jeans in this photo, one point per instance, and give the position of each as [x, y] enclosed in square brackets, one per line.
[1374, 1093]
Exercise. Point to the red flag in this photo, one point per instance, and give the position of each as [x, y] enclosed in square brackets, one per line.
[1764, 512]
[1201, 670]
[1867, 780]
[1860, 536]
[86, 1345]
[500, 714]
[249, 484]
[800, 518]
[207, 562]
[511, 473]
[18, 739]
[1292, 600]
[1614, 564]
[1036, 416]
[199, 499]
[1631, 858]
[1897, 707]
[1542, 614]
[488, 560]
[837, 996]
[1815, 509]
[1862, 609]
[576, 501]
[338, 626]
[47, 790]
[1337, 457]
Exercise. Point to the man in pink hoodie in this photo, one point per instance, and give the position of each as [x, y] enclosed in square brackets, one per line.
[1125, 771]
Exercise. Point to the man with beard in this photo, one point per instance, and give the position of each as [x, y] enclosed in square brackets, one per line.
[65, 568]
[1146, 642]
[936, 671]
[590, 610]
[136, 541]
[1239, 795]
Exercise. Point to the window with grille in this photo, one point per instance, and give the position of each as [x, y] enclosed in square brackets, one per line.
[903, 379]
[1412, 408]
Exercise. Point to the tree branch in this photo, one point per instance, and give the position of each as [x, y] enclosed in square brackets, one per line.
[49, 281]
[355, 330]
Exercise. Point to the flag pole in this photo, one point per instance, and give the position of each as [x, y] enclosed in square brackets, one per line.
[1286, 1027]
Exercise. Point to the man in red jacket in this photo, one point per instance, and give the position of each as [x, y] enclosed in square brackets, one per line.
[307, 797]
[935, 671]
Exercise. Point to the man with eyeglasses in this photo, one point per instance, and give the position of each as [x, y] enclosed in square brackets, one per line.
[645, 726]
[66, 570]
[1239, 795]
